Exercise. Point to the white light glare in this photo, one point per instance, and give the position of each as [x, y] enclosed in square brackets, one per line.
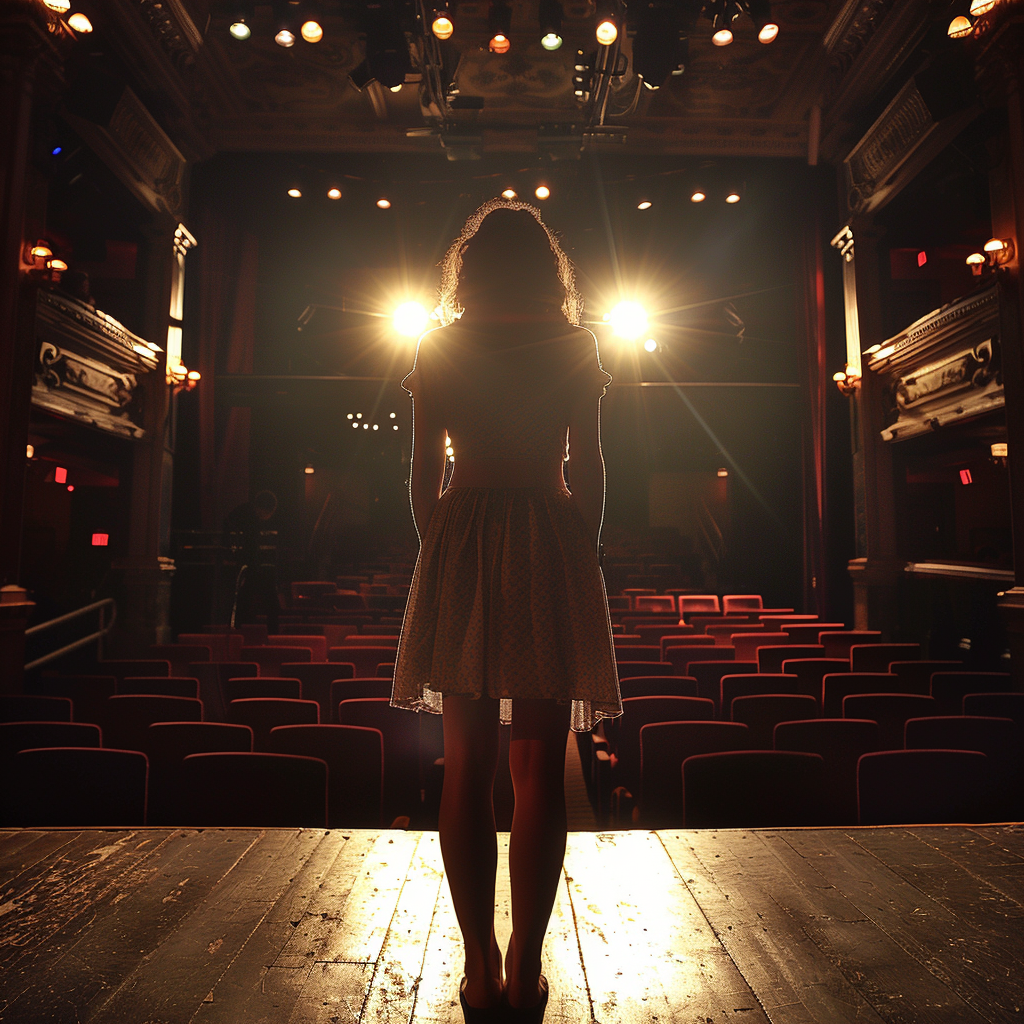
[410, 319]
[650, 345]
[628, 320]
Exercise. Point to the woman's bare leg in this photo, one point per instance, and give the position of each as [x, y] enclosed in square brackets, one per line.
[537, 843]
[469, 844]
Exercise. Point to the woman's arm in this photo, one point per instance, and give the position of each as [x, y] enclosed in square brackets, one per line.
[586, 464]
[428, 461]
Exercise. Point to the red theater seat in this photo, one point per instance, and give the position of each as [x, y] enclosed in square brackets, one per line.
[763, 711]
[709, 677]
[770, 659]
[24, 707]
[921, 787]
[242, 688]
[627, 669]
[79, 787]
[270, 659]
[355, 768]
[750, 685]
[180, 656]
[752, 789]
[261, 714]
[746, 644]
[698, 604]
[159, 686]
[878, 657]
[742, 603]
[127, 717]
[950, 688]
[363, 657]
[255, 790]
[890, 711]
[361, 688]
[1001, 705]
[837, 643]
[649, 686]
[316, 645]
[916, 676]
[835, 687]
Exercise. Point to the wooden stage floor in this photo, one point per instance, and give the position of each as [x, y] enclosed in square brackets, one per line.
[160, 926]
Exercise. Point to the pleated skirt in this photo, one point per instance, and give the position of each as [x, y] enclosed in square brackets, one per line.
[507, 600]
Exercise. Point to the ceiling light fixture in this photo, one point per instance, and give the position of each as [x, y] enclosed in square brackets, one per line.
[383, 204]
[80, 23]
[442, 25]
[980, 7]
[499, 26]
[59, 6]
[959, 28]
[334, 193]
[550, 19]
[312, 31]
[542, 192]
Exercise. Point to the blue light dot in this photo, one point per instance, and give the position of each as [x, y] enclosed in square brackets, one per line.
[57, 150]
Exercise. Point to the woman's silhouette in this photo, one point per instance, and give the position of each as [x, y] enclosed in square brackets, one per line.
[507, 616]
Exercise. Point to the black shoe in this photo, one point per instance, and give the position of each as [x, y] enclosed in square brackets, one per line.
[527, 1014]
[480, 1015]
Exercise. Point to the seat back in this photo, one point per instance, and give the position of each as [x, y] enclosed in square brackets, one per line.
[242, 688]
[752, 789]
[316, 645]
[270, 659]
[950, 688]
[921, 787]
[742, 603]
[27, 707]
[127, 717]
[724, 632]
[650, 686]
[915, 676]
[663, 748]
[877, 657]
[751, 684]
[88, 694]
[122, 667]
[627, 669]
[361, 688]
[650, 603]
[261, 714]
[364, 657]
[316, 679]
[770, 659]
[256, 790]
[680, 658]
[355, 768]
[810, 672]
[840, 742]
[694, 604]
[709, 677]
[637, 651]
[837, 643]
[15, 736]
[762, 712]
[180, 656]
[835, 686]
[159, 686]
[890, 711]
[79, 787]
[995, 704]
[657, 632]
[746, 644]
[809, 632]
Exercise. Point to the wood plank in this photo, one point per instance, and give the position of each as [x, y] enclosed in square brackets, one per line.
[648, 951]
[351, 929]
[398, 971]
[59, 896]
[253, 989]
[115, 931]
[28, 850]
[910, 963]
[795, 981]
[334, 993]
[179, 972]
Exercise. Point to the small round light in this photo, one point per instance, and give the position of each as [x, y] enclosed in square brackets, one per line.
[41, 251]
[723, 37]
[410, 319]
[542, 192]
[509, 193]
[975, 259]
[979, 7]
[239, 30]
[392, 415]
[375, 427]
[628, 320]
[334, 193]
[56, 264]
[551, 41]
[959, 27]
[645, 205]
[395, 427]
[697, 196]
[295, 193]
[71, 487]
[994, 245]
[839, 376]
[194, 375]
[349, 416]
[499, 43]
[396, 88]
[366, 426]
[312, 31]
[650, 345]
[723, 472]
[768, 33]
[449, 450]
[359, 415]
[285, 37]
[60, 6]
[451, 458]
[607, 32]
[732, 197]
[30, 452]
[310, 470]
[383, 204]
[80, 23]
[56, 151]
[356, 425]
[442, 27]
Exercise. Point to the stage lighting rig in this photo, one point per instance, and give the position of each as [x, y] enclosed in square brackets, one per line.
[550, 18]
[724, 12]
[658, 48]
[499, 26]
[387, 51]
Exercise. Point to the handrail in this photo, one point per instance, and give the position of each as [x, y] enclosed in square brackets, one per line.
[105, 628]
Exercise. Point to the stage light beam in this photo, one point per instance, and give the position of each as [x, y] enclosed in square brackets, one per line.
[628, 320]
[410, 319]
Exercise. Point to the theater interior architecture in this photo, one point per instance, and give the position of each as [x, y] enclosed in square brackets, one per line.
[796, 226]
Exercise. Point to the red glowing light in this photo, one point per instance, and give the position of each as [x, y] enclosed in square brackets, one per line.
[922, 258]
[99, 540]
[965, 476]
[71, 487]
[60, 475]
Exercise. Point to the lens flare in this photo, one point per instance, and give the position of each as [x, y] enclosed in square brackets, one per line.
[410, 319]
[628, 320]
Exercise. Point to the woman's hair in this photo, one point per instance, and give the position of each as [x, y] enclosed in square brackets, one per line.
[509, 231]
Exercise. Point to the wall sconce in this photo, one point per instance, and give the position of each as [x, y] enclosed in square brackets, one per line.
[999, 452]
[976, 261]
[848, 381]
[999, 251]
[181, 378]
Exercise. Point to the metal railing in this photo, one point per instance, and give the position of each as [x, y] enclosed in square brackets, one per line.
[97, 637]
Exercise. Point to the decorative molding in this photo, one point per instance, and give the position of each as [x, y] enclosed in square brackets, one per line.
[87, 366]
[174, 30]
[959, 571]
[943, 368]
[139, 152]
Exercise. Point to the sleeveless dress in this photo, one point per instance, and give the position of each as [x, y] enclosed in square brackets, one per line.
[507, 597]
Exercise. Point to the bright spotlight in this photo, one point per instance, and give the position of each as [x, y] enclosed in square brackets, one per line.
[442, 26]
[628, 320]
[80, 23]
[383, 204]
[723, 37]
[499, 43]
[542, 192]
[239, 29]
[295, 193]
[334, 193]
[732, 197]
[508, 194]
[410, 319]
[768, 33]
[607, 32]
[285, 37]
[698, 196]
[645, 205]
[312, 31]
[650, 345]
[551, 41]
[310, 469]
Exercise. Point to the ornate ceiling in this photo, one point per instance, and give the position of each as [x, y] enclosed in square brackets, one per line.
[746, 99]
